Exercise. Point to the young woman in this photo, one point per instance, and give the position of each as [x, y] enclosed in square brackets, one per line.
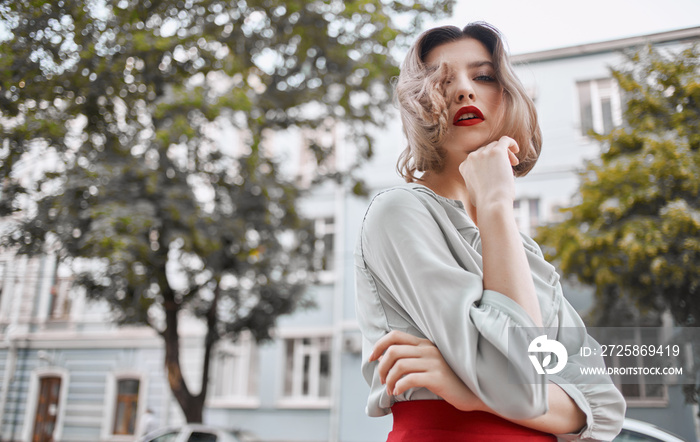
[444, 279]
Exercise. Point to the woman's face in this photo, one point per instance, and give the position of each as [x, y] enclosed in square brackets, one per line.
[474, 97]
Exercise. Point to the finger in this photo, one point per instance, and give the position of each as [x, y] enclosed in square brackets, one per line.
[392, 338]
[514, 161]
[426, 359]
[412, 380]
[405, 367]
[393, 354]
[511, 147]
[510, 143]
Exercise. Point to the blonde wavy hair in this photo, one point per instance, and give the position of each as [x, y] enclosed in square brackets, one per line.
[421, 98]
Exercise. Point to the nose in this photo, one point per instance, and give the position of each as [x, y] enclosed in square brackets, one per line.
[464, 91]
[465, 95]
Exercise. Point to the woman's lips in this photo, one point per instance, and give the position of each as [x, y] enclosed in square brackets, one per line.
[476, 117]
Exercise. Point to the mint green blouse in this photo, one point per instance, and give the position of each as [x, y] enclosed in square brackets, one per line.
[419, 270]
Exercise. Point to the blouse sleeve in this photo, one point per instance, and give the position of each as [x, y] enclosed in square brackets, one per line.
[439, 286]
[594, 392]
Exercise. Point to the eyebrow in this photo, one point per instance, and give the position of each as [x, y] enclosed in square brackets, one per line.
[472, 65]
[478, 64]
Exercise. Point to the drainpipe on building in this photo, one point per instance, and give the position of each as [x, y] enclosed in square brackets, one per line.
[15, 291]
[22, 369]
[9, 371]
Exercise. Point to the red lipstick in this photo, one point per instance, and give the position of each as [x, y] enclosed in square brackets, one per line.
[476, 116]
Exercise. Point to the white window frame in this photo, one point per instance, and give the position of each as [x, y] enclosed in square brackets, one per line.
[296, 399]
[14, 287]
[597, 95]
[110, 404]
[44, 267]
[61, 308]
[524, 216]
[53, 307]
[324, 226]
[237, 379]
[33, 399]
[642, 400]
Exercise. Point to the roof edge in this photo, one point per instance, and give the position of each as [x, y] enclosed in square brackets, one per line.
[607, 46]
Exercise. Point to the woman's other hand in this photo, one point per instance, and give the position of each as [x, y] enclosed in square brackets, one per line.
[406, 361]
[488, 172]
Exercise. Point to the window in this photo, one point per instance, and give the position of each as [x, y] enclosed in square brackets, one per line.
[199, 436]
[125, 401]
[635, 387]
[527, 214]
[60, 301]
[44, 412]
[599, 104]
[126, 406]
[307, 371]
[46, 409]
[324, 262]
[234, 380]
[52, 301]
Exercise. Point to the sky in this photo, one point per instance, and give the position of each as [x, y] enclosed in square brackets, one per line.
[535, 25]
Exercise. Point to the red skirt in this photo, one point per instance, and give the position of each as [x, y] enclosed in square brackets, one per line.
[438, 421]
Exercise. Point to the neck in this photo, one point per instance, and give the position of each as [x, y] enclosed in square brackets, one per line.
[449, 185]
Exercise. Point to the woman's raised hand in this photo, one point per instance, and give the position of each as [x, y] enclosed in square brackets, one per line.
[488, 172]
[406, 361]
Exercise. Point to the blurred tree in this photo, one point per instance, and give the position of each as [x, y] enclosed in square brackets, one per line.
[113, 157]
[635, 234]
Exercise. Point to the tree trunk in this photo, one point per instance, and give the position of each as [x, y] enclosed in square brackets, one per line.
[211, 338]
[192, 406]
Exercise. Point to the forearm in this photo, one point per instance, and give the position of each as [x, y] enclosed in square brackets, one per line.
[563, 416]
[506, 269]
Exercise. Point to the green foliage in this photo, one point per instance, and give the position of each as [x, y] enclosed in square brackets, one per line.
[636, 232]
[110, 156]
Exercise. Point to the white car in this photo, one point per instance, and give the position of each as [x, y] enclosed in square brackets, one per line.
[194, 433]
[638, 431]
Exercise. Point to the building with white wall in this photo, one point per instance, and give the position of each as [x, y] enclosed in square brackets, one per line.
[66, 371]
